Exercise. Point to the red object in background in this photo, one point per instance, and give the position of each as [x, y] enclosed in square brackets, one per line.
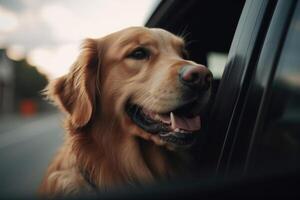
[28, 107]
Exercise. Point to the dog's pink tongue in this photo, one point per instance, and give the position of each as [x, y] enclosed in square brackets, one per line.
[189, 124]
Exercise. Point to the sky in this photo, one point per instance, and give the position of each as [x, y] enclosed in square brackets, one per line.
[49, 32]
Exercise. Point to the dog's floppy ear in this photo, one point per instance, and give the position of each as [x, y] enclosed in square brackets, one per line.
[75, 92]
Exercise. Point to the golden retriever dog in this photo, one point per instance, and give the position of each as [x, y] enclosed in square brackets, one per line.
[133, 102]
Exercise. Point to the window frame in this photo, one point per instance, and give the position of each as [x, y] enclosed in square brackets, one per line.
[248, 115]
[267, 66]
[231, 95]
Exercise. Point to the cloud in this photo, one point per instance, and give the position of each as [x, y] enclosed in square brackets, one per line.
[27, 29]
[12, 5]
[66, 25]
[8, 21]
[54, 61]
[49, 31]
[96, 18]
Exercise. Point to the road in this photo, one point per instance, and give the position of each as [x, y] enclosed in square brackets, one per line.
[26, 148]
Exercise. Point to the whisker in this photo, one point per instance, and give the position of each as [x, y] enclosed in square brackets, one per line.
[184, 34]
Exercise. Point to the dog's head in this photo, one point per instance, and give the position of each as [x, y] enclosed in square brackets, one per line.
[140, 79]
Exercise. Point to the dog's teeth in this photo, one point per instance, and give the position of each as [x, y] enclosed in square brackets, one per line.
[177, 130]
[172, 120]
[156, 117]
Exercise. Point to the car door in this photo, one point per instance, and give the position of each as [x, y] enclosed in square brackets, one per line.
[227, 110]
[275, 141]
[256, 105]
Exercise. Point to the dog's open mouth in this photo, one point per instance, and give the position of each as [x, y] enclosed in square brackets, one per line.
[177, 127]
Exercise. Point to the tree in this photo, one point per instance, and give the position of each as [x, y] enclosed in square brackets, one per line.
[29, 82]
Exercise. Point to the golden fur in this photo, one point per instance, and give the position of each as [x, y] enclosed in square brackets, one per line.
[101, 139]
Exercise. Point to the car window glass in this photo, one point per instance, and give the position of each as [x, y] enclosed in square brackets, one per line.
[279, 141]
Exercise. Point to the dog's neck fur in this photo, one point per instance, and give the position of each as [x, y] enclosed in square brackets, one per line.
[120, 159]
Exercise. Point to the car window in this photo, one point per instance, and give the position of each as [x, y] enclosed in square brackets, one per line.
[279, 141]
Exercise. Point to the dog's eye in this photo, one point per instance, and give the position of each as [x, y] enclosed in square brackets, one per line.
[139, 53]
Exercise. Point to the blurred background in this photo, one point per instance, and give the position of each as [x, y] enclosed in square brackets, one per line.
[39, 40]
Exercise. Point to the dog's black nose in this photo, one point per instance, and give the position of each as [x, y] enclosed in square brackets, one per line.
[197, 76]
